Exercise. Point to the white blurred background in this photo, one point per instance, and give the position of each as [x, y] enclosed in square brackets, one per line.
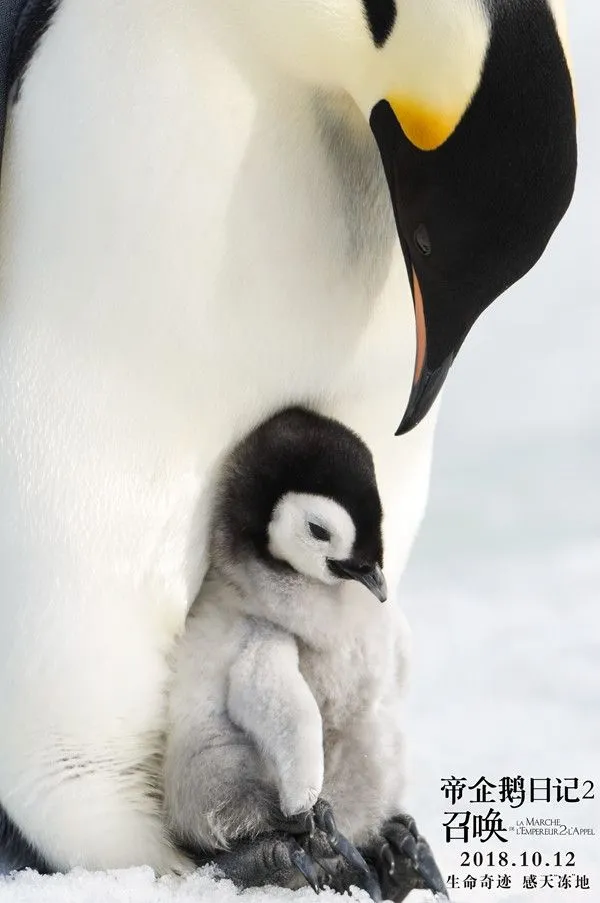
[503, 589]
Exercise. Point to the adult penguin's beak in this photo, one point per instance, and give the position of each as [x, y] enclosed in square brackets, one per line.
[427, 380]
[400, 160]
[480, 168]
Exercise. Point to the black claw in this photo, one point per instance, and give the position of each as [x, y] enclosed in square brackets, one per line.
[306, 866]
[346, 849]
[371, 885]
[408, 847]
[325, 821]
[427, 868]
[323, 816]
[411, 826]
[329, 825]
[331, 879]
[270, 859]
[360, 873]
[388, 858]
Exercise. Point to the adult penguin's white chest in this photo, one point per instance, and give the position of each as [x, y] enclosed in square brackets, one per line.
[180, 255]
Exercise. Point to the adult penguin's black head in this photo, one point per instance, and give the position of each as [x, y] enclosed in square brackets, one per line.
[480, 159]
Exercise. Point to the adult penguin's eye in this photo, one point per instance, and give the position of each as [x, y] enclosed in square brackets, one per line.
[319, 532]
[422, 240]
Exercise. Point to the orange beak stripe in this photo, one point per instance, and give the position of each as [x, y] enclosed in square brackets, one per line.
[421, 329]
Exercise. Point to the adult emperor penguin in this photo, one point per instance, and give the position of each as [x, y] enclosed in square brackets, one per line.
[196, 228]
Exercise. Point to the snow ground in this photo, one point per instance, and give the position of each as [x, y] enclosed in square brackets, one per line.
[139, 886]
[502, 591]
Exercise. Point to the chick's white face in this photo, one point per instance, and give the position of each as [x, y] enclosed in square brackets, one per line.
[305, 530]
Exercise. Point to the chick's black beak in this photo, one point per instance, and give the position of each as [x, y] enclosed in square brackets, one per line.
[370, 576]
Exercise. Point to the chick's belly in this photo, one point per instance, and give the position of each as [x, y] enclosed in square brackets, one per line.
[338, 684]
[356, 782]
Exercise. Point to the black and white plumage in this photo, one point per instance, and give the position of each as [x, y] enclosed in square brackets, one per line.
[209, 210]
[288, 676]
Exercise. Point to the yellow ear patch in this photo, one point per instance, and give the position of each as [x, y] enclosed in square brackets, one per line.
[425, 127]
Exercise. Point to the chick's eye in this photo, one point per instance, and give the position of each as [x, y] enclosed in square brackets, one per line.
[319, 532]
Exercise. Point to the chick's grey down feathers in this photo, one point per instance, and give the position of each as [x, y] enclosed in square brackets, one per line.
[285, 689]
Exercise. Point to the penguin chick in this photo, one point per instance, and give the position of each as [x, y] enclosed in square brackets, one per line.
[282, 663]
[287, 676]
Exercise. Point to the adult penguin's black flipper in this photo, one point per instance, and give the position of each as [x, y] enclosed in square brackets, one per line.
[22, 23]
[15, 852]
[10, 11]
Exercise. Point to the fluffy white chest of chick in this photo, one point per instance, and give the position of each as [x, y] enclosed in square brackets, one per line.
[180, 256]
[313, 678]
[349, 674]
[352, 649]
